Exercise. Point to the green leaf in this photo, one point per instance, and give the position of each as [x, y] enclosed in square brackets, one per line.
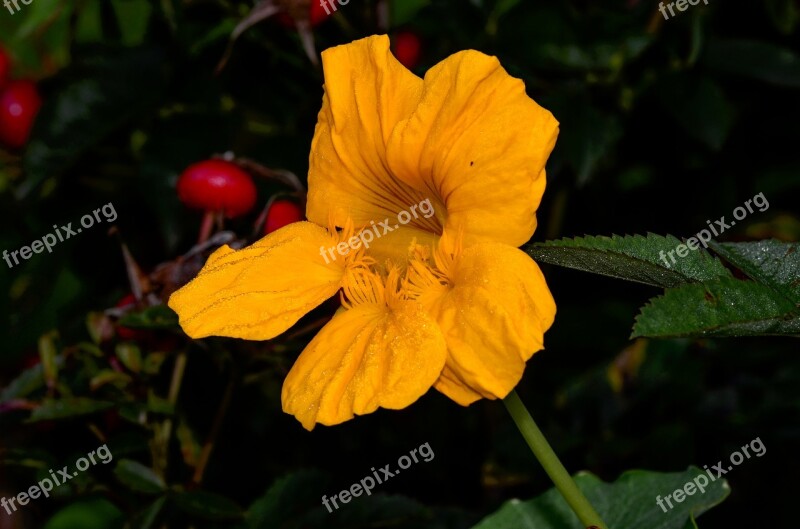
[784, 14]
[52, 409]
[635, 258]
[138, 477]
[759, 60]
[48, 353]
[136, 412]
[147, 518]
[294, 502]
[773, 263]
[130, 355]
[285, 499]
[594, 56]
[156, 404]
[153, 362]
[190, 446]
[403, 11]
[206, 505]
[87, 514]
[89, 23]
[628, 503]
[109, 376]
[588, 134]
[377, 510]
[27, 382]
[727, 307]
[80, 114]
[133, 17]
[157, 317]
[699, 105]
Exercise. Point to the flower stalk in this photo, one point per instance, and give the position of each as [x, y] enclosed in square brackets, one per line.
[551, 464]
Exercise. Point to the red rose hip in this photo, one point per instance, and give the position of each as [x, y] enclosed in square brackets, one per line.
[5, 67]
[217, 186]
[19, 105]
[281, 213]
[407, 47]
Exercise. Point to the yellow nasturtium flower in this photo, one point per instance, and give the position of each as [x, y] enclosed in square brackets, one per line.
[445, 300]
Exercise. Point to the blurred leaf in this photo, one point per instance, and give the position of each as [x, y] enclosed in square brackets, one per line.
[635, 258]
[109, 376]
[136, 412]
[89, 23]
[133, 17]
[48, 353]
[130, 355]
[91, 349]
[293, 502]
[156, 404]
[586, 136]
[635, 177]
[27, 457]
[190, 446]
[138, 477]
[286, 498]
[207, 505]
[147, 518]
[85, 111]
[758, 60]
[40, 13]
[27, 382]
[153, 362]
[628, 503]
[773, 263]
[784, 14]
[99, 326]
[87, 514]
[699, 106]
[727, 307]
[596, 56]
[404, 11]
[54, 409]
[377, 510]
[157, 317]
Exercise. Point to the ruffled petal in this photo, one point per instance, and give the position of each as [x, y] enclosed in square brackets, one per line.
[367, 357]
[456, 389]
[367, 92]
[493, 312]
[260, 291]
[479, 144]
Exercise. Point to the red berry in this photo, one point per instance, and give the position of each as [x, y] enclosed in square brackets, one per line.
[407, 47]
[281, 213]
[19, 104]
[318, 15]
[5, 67]
[126, 333]
[217, 185]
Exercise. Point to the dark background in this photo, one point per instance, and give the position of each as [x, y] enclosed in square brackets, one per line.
[664, 124]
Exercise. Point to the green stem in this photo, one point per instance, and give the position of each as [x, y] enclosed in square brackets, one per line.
[551, 464]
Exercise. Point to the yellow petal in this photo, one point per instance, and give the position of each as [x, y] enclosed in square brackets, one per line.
[479, 144]
[396, 245]
[260, 291]
[367, 357]
[456, 389]
[493, 313]
[367, 91]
